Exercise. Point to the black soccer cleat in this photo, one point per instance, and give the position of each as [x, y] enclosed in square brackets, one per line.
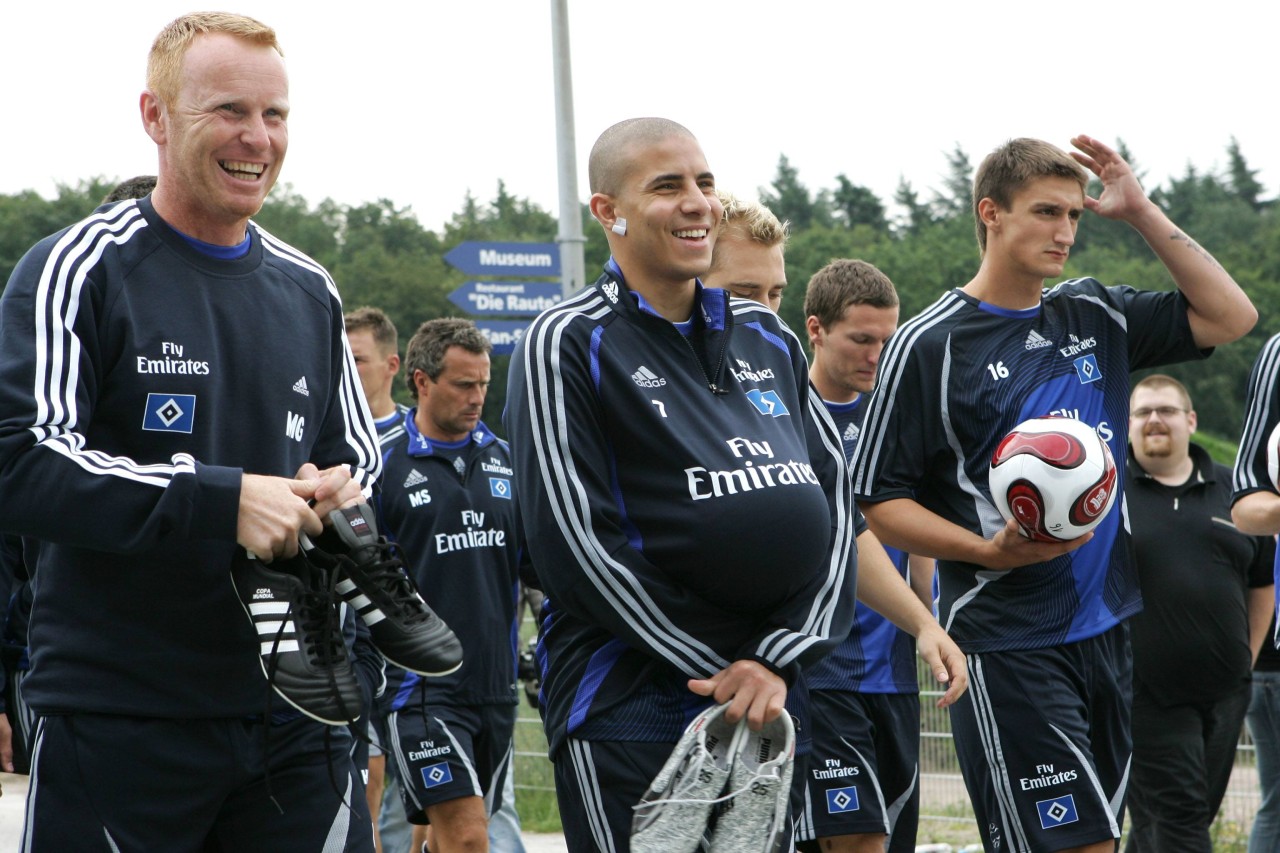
[372, 580]
[292, 606]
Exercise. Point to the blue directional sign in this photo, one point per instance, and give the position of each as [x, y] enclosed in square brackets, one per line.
[486, 259]
[506, 298]
[503, 334]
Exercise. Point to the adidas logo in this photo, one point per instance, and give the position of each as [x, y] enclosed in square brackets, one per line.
[646, 378]
[460, 466]
[610, 289]
[261, 593]
[301, 387]
[851, 433]
[415, 478]
[1035, 340]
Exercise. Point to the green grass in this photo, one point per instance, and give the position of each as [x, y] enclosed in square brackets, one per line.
[1222, 450]
[534, 779]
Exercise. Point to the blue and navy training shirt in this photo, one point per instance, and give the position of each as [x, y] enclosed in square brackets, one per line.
[451, 510]
[877, 656]
[686, 503]
[954, 380]
[1261, 417]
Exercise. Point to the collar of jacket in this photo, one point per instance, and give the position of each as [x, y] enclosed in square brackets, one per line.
[420, 445]
[711, 303]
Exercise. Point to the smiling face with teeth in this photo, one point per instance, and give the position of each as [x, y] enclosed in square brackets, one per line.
[667, 194]
[223, 139]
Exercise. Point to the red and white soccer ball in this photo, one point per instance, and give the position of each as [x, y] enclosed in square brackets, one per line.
[1054, 476]
[1273, 457]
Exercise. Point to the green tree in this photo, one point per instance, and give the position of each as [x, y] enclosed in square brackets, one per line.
[28, 217]
[506, 218]
[287, 215]
[955, 196]
[1242, 180]
[791, 201]
[857, 205]
[916, 215]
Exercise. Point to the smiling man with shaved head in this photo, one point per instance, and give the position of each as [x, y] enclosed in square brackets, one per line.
[653, 424]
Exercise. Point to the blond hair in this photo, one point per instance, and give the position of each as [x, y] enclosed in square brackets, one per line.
[164, 63]
[751, 221]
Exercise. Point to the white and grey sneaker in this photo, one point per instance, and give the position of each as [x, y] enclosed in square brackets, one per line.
[672, 814]
[753, 817]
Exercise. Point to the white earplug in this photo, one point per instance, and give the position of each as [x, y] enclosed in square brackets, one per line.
[620, 227]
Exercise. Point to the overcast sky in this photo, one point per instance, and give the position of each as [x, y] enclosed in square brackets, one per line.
[420, 103]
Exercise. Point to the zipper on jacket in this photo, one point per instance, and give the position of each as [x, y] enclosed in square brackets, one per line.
[711, 383]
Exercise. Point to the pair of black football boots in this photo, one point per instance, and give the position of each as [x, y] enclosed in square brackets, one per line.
[294, 607]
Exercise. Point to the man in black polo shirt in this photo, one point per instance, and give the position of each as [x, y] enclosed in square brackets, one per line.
[1191, 642]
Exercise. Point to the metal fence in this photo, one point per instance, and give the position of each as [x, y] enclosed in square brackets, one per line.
[947, 815]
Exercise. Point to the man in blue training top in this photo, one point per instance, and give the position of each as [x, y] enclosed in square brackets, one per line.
[1045, 768]
[862, 781]
[1256, 510]
[374, 346]
[447, 499]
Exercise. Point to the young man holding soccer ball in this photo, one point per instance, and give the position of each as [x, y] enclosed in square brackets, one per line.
[1043, 734]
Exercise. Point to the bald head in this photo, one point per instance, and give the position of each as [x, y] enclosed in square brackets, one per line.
[609, 159]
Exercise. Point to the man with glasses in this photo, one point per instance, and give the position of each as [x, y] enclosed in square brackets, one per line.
[1204, 584]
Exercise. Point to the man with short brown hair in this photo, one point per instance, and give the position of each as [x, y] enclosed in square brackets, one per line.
[374, 346]
[447, 497]
[1046, 770]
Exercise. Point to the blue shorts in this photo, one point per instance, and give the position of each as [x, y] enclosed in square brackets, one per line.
[599, 784]
[102, 783]
[862, 776]
[1044, 743]
[446, 752]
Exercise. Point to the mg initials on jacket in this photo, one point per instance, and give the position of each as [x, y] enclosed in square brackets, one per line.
[293, 426]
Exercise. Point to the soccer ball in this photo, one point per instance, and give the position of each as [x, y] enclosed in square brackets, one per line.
[1273, 458]
[1054, 476]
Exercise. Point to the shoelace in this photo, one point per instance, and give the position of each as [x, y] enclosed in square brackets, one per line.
[724, 798]
[388, 574]
[316, 618]
[691, 776]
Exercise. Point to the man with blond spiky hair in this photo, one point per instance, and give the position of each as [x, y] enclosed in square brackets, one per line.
[748, 260]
